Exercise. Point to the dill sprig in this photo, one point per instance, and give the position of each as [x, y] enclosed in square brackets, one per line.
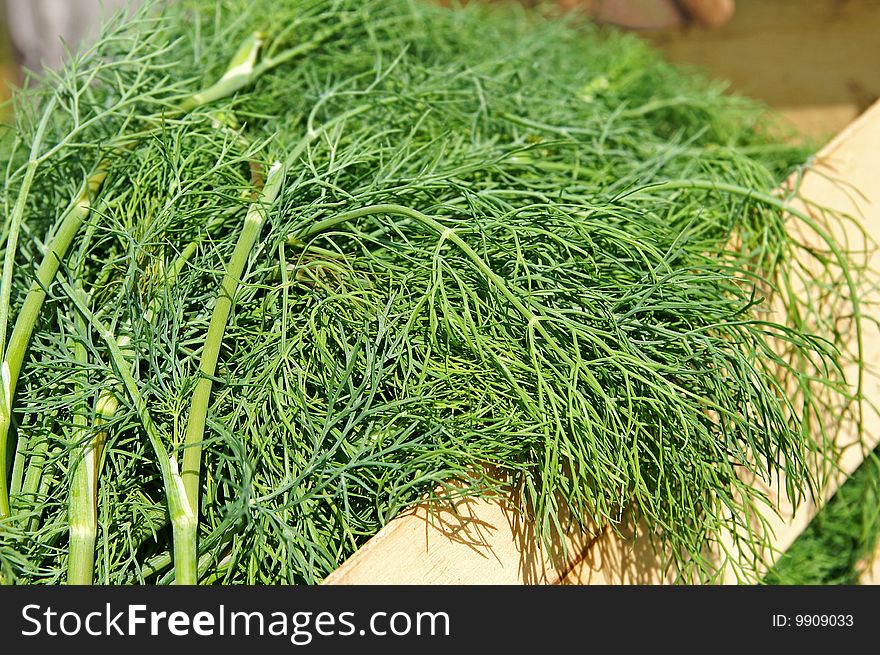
[508, 255]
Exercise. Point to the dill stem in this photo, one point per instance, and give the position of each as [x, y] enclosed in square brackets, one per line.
[83, 519]
[83, 497]
[13, 226]
[186, 560]
[60, 243]
[243, 68]
[317, 39]
[220, 536]
[183, 522]
[13, 222]
[34, 480]
[239, 73]
[195, 427]
[30, 310]
[34, 474]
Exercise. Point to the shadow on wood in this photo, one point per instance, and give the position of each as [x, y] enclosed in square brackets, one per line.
[474, 541]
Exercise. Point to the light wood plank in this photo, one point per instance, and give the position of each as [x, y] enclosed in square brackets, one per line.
[475, 542]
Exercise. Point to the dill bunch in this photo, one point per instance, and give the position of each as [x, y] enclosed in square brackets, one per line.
[275, 272]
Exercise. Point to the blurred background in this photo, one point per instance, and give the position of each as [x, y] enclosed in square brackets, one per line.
[816, 61]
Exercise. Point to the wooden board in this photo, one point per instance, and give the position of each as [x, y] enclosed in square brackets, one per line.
[483, 542]
[477, 541]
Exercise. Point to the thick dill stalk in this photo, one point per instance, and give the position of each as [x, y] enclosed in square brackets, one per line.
[243, 68]
[83, 520]
[195, 427]
[242, 64]
[238, 74]
[83, 498]
[33, 478]
[183, 522]
[30, 311]
[13, 223]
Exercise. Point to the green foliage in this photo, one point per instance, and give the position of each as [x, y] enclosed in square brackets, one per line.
[841, 537]
[503, 244]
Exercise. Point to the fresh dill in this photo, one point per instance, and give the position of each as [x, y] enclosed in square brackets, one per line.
[498, 253]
